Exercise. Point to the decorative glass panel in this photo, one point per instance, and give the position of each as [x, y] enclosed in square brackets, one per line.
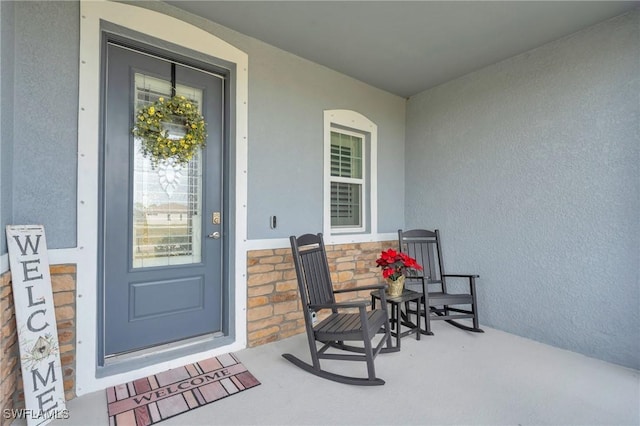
[167, 200]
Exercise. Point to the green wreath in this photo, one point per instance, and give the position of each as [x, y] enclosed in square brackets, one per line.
[157, 144]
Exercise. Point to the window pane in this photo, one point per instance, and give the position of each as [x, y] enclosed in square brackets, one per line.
[346, 155]
[346, 199]
[167, 200]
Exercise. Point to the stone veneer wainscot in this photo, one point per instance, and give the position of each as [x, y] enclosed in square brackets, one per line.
[273, 306]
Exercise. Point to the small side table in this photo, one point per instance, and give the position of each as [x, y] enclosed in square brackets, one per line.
[396, 318]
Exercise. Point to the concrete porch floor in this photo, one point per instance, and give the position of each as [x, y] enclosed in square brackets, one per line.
[454, 377]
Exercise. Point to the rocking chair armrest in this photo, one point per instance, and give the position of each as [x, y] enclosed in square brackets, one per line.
[342, 305]
[471, 277]
[364, 287]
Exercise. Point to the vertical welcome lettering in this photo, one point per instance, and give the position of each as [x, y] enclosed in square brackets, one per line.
[36, 323]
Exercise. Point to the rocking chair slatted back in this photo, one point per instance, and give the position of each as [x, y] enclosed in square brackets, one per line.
[423, 246]
[315, 284]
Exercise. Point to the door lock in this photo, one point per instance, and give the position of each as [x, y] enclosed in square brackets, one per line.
[214, 235]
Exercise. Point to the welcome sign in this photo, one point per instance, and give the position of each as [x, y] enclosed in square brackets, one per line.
[36, 324]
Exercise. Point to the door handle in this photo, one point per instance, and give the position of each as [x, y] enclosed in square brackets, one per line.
[214, 235]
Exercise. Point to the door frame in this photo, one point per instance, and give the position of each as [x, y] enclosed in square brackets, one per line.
[146, 26]
[215, 72]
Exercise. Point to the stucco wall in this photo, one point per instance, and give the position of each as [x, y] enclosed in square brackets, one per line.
[529, 167]
[45, 110]
[287, 97]
[6, 116]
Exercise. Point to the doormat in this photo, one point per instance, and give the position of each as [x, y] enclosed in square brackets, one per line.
[155, 398]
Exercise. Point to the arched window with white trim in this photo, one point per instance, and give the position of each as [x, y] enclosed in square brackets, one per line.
[350, 190]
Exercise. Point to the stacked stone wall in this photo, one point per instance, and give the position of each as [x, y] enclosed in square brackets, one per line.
[9, 364]
[274, 311]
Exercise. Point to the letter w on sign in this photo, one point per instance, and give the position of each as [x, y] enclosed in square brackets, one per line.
[36, 323]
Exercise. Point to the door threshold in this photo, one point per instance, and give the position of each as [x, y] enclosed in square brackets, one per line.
[158, 349]
[124, 362]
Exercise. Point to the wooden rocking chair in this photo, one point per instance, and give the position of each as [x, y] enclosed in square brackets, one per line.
[439, 302]
[317, 294]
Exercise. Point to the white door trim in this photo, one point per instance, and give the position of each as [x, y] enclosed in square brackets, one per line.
[155, 25]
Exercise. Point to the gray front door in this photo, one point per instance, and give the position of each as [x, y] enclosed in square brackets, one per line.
[162, 253]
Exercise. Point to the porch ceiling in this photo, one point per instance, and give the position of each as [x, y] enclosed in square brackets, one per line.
[405, 47]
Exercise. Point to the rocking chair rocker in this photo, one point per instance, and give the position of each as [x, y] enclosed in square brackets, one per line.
[317, 294]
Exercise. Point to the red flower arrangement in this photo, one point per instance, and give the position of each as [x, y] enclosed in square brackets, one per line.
[394, 264]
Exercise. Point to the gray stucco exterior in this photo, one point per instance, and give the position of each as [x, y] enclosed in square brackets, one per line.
[529, 168]
[287, 97]
[45, 124]
[6, 117]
